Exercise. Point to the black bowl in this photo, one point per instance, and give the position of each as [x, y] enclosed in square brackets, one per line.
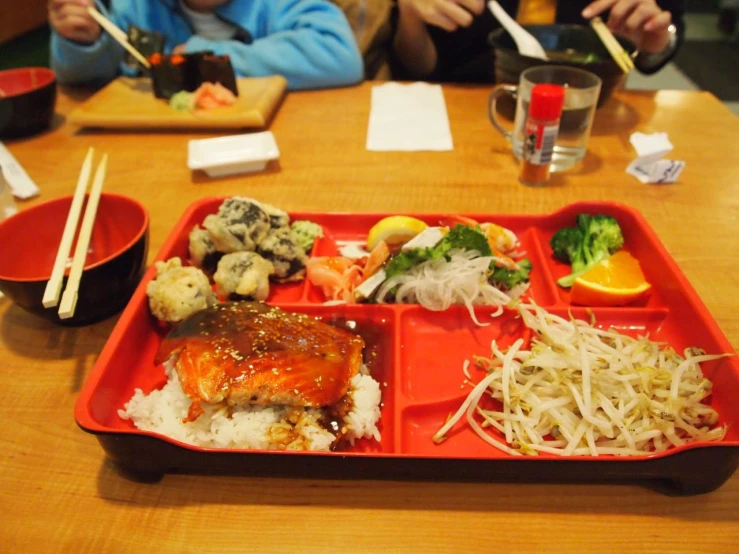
[509, 64]
[27, 101]
[115, 262]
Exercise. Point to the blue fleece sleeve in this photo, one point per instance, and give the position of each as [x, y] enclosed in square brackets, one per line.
[80, 63]
[310, 43]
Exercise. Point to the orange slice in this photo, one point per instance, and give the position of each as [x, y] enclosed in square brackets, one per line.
[616, 281]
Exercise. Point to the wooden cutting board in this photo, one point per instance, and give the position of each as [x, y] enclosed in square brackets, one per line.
[129, 103]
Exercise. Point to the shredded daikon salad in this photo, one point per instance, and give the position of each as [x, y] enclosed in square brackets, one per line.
[583, 391]
[462, 277]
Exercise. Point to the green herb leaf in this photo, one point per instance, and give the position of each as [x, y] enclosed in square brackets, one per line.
[406, 260]
[461, 236]
[467, 238]
[509, 278]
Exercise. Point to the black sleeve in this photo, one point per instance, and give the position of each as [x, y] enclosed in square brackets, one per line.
[677, 9]
[569, 12]
[466, 56]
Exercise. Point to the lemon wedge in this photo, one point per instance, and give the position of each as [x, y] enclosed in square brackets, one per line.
[394, 230]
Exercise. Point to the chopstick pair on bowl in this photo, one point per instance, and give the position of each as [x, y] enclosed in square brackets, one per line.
[118, 35]
[621, 56]
[54, 286]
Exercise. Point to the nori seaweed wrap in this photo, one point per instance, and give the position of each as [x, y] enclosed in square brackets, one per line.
[146, 42]
[170, 74]
[217, 69]
[178, 72]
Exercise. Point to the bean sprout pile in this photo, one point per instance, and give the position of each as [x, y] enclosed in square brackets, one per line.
[459, 278]
[583, 391]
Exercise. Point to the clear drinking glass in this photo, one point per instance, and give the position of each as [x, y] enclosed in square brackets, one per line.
[582, 89]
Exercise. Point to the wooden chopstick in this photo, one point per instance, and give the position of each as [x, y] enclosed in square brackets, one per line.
[611, 43]
[614, 47]
[54, 286]
[118, 35]
[69, 298]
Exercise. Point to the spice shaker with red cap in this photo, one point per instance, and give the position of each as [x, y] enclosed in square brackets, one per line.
[541, 129]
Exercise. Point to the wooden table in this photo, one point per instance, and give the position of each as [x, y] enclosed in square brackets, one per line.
[60, 494]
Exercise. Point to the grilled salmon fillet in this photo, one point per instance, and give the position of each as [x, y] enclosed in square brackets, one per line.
[251, 353]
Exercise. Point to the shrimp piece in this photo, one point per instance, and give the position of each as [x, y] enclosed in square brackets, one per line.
[499, 238]
[452, 220]
[377, 257]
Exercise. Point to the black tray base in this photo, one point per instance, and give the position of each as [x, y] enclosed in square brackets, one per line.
[690, 472]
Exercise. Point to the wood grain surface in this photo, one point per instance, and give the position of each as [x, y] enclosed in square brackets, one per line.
[59, 494]
[128, 103]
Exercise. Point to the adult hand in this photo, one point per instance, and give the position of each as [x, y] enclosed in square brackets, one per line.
[641, 21]
[179, 49]
[450, 15]
[70, 19]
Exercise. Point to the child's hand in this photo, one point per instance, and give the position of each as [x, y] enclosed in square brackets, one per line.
[70, 19]
[447, 14]
[641, 21]
[179, 49]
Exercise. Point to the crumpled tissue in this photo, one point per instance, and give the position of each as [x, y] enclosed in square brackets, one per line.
[649, 167]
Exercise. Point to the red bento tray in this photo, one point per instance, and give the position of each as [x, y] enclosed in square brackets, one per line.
[419, 356]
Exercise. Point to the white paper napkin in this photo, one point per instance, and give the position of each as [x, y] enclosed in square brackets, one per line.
[649, 167]
[20, 183]
[408, 118]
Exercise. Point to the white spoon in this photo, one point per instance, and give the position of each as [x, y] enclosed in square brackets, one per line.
[525, 41]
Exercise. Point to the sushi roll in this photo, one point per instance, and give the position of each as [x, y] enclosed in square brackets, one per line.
[169, 75]
[146, 42]
[175, 73]
[217, 69]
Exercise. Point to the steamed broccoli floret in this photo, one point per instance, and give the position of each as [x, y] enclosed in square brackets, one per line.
[604, 235]
[594, 239]
[567, 246]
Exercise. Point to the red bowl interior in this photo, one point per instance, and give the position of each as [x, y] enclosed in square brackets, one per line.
[30, 239]
[15, 82]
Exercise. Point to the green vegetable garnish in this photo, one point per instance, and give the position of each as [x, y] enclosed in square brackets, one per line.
[181, 101]
[467, 238]
[594, 239]
[306, 232]
[461, 236]
[509, 278]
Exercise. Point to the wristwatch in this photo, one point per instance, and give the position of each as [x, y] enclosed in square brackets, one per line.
[647, 61]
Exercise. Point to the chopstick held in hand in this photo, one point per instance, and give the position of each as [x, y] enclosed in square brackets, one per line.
[118, 35]
[620, 56]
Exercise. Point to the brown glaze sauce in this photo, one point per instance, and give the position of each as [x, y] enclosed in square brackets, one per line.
[231, 332]
[376, 356]
[252, 353]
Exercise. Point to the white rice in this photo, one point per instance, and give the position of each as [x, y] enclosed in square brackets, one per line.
[252, 427]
